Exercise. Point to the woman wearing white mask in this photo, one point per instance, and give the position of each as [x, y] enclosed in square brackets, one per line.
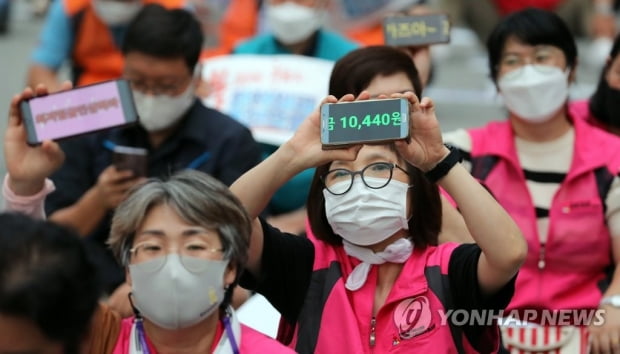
[183, 242]
[297, 27]
[370, 277]
[555, 175]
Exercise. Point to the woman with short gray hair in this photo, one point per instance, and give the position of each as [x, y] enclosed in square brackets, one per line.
[183, 241]
[194, 197]
[212, 244]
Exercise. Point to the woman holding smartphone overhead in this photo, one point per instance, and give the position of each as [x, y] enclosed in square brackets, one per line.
[372, 278]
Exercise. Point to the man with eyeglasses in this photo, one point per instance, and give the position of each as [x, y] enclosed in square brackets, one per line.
[161, 51]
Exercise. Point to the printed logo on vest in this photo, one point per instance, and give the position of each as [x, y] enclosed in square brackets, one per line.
[413, 317]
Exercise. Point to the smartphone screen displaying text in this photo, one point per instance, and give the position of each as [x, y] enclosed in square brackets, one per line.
[77, 111]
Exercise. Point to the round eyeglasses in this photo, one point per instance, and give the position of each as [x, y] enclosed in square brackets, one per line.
[376, 175]
[152, 256]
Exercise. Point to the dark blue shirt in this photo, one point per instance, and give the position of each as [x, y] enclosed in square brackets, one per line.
[205, 139]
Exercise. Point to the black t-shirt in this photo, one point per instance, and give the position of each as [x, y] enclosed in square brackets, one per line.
[286, 269]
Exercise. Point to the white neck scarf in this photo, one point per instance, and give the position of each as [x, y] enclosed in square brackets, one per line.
[398, 252]
[223, 346]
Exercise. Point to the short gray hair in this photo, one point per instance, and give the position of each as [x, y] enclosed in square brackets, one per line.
[197, 198]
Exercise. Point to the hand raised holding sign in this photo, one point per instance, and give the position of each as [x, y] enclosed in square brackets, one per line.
[306, 145]
[425, 149]
[28, 166]
[349, 123]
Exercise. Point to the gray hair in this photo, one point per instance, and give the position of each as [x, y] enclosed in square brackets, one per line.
[197, 198]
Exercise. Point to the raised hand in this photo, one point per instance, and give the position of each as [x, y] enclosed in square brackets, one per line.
[306, 143]
[28, 166]
[425, 148]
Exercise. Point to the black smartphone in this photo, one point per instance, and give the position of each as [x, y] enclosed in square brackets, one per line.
[78, 111]
[131, 158]
[349, 123]
[406, 31]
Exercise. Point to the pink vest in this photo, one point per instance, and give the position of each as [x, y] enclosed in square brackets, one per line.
[581, 110]
[336, 320]
[252, 341]
[570, 273]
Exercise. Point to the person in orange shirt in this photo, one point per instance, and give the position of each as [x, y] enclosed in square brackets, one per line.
[88, 33]
[240, 22]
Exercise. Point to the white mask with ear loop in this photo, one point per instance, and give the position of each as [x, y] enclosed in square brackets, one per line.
[535, 92]
[174, 297]
[364, 216]
[162, 111]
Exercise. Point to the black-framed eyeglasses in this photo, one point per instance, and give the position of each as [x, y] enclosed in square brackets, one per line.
[376, 176]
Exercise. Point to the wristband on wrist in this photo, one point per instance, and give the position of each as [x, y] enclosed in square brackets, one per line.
[445, 165]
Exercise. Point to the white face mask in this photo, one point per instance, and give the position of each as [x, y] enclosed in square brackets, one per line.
[365, 216]
[173, 297]
[116, 13]
[535, 92]
[162, 111]
[292, 23]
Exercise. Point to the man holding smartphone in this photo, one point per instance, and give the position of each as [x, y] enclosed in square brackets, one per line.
[161, 50]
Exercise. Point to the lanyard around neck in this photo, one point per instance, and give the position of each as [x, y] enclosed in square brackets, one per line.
[140, 345]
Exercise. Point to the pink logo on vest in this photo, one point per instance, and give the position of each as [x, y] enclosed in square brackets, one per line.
[413, 317]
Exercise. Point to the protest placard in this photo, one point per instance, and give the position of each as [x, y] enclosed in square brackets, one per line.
[270, 94]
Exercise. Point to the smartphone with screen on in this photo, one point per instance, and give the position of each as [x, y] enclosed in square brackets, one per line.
[372, 121]
[418, 30]
[78, 111]
[131, 158]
